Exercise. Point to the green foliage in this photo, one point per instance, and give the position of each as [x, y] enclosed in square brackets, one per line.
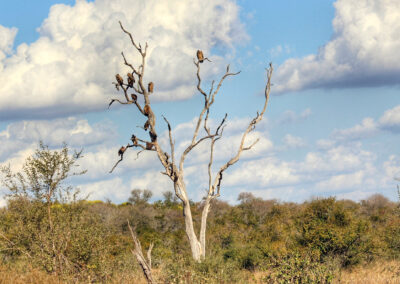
[139, 196]
[327, 228]
[300, 268]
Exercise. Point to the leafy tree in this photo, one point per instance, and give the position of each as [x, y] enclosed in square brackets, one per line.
[45, 210]
[139, 196]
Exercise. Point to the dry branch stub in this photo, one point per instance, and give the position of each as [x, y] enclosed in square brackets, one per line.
[134, 97]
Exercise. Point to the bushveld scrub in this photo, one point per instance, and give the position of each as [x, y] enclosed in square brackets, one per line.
[47, 235]
[262, 241]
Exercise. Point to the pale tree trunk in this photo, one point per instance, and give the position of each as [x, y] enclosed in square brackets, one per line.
[195, 245]
[203, 226]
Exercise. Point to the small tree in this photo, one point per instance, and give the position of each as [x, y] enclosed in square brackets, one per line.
[174, 168]
[139, 196]
[39, 185]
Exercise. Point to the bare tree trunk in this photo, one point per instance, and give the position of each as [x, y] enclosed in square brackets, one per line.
[195, 245]
[203, 226]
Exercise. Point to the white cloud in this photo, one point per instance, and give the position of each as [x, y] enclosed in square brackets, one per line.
[363, 50]
[114, 189]
[291, 141]
[7, 37]
[290, 116]
[76, 132]
[391, 119]
[278, 50]
[69, 69]
[366, 129]
[262, 173]
[154, 181]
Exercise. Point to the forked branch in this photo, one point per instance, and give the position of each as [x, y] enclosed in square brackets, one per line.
[137, 252]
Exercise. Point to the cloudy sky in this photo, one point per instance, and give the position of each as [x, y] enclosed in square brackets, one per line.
[331, 129]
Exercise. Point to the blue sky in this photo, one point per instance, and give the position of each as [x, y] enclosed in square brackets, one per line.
[331, 129]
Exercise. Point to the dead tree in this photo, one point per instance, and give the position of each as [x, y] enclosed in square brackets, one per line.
[138, 253]
[174, 168]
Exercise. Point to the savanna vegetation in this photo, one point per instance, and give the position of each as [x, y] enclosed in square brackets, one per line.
[48, 234]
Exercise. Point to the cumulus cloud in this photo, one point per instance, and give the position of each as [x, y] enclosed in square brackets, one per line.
[363, 50]
[368, 128]
[7, 37]
[291, 141]
[290, 116]
[341, 171]
[391, 120]
[114, 189]
[76, 132]
[69, 69]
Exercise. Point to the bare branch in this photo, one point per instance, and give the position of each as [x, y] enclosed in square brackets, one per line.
[117, 100]
[250, 127]
[208, 102]
[171, 142]
[130, 36]
[128, 64]
[149, 254]
[137, 252]
[249, 147]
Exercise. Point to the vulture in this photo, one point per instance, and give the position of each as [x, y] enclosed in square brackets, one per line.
[134, 139]
[131, 80]
[153, 136]
[121, 151]
[146, 110]
[150, 87]
[146, 125]
[119, 79]
[200, 56]
[149, 146]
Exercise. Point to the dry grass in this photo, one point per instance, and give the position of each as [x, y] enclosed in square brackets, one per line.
[375, 273]
[30, 276]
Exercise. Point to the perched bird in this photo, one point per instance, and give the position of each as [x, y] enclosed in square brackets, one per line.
[146, 110]
[134, 97]
[200, 56]
[149, 146]
[150, 87]
[146, 125]
[119, 79]
[153, 136]
[134, 139]
[131, 80]
[121, 151]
